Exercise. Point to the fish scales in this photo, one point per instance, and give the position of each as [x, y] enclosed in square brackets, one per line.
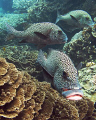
[75, 19]
[63, 72]
[41, 34]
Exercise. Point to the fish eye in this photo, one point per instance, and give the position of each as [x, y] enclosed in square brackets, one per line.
[59, 32]
[64, 74]
[87, 18]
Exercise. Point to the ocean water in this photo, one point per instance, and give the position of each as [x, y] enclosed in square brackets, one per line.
[79, 27]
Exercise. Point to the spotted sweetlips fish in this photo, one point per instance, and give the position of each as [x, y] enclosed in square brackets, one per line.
[41, 34]
[75, 19]
[61, 73]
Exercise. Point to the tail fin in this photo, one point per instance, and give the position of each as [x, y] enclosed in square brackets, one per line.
[10, 29]
[58, 17]
[14, 32]
[41, 58]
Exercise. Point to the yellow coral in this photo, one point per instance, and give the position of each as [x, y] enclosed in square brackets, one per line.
[88, 64]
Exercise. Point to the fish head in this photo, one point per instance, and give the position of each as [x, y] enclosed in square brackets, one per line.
[57, 35]
[66, 82]
[87, 20]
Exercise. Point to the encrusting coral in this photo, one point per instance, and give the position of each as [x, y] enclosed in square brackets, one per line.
[23, 57]
[22, 97]
[87, 79]
[82, 47]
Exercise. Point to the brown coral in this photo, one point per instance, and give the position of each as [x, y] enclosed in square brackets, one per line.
[24, 98]
[87, 79]
[94, 30]
[23, 57]
[82, 47]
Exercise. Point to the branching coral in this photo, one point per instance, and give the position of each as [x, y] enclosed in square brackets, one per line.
[22, 5]
[24, 98]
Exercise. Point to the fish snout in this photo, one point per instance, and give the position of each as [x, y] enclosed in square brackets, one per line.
[90, 23]
[65, 38]
[73, 94]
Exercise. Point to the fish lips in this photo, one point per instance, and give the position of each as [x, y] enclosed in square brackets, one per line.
[74, 94]
[91, 24]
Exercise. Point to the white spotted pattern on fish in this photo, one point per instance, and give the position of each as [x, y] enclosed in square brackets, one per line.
[64, 74]
[41, 34]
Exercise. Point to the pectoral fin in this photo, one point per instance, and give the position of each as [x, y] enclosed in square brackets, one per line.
[23, 41]
[48, 78]
[42, 36]
[79, 67]
[74, 18]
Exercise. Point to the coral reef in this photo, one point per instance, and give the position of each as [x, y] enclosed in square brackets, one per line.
[87, 78]
[82, 47]
[23, 57]
[44, 11]
[47, 11]
[22, 5]
[12, 19]
[24, 98]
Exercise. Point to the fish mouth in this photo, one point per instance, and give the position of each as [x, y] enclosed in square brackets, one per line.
[74, 94]
[74, 97]
[91, 24]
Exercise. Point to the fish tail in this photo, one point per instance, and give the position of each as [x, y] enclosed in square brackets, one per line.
[10, 29]
[41, 58]
[58, 17]
[13, 31]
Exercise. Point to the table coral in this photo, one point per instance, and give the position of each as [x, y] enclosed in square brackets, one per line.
[24, 98]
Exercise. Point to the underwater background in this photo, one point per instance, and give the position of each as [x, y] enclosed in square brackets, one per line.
[24, 95]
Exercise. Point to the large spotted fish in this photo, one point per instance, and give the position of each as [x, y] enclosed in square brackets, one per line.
[41, 34]
[61, 73]
[75, 19]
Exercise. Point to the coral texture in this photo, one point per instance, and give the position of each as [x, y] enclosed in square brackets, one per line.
[23, 57]
[82, 47]
[87, 78]
[24, 98]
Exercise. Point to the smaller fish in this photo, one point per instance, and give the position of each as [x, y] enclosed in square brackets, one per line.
[41, 34]
[75, 19]
[59, 70]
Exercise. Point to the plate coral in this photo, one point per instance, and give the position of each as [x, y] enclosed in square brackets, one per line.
[22, 97]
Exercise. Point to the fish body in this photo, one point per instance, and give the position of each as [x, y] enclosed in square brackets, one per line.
[61, 73]
[75, 19]
[41, 34]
